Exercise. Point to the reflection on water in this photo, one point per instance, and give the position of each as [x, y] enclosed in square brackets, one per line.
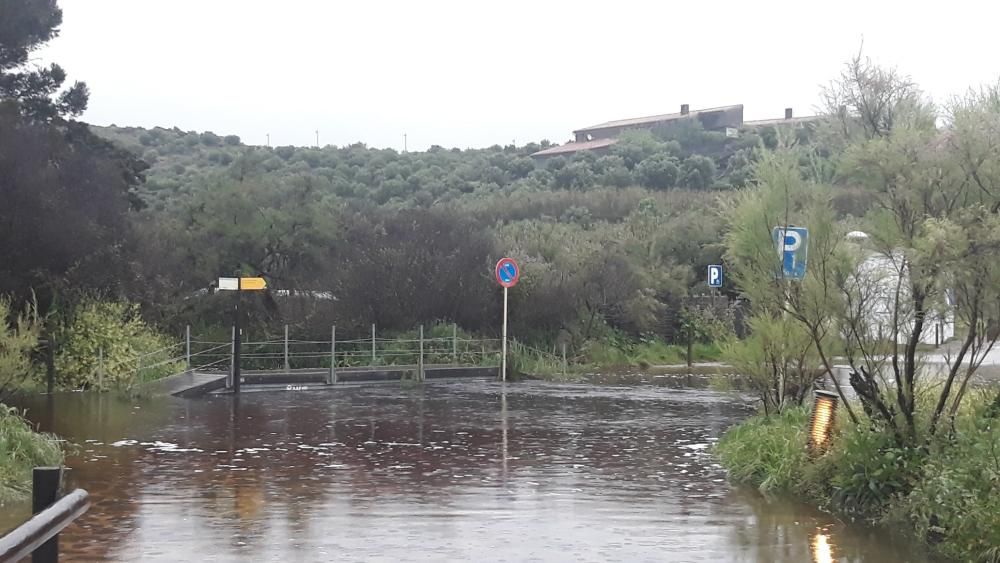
[456, 471]
[821, 549]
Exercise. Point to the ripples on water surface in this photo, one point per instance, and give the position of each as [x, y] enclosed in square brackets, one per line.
[456, 471]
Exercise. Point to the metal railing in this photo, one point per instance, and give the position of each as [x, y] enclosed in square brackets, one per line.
[39, 536]
[288, 353]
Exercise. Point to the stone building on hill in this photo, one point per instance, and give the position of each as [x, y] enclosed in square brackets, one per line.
[726, 119]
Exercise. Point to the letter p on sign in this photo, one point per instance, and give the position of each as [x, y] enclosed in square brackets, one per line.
[715, 276]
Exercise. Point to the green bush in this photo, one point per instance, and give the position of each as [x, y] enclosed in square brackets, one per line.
[867, 472]
[955, 504]
[108, 342]
[21, 449]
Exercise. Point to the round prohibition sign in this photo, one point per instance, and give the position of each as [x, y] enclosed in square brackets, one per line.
[507, 272]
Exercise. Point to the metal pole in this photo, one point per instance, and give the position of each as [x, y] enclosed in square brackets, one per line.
[187, 340]
[333, 355]
[373, 343]
[45, 483]
[504, 424]
[286, 349]
[503, 352]
[420, 365]
[237, 337]
[454, 343]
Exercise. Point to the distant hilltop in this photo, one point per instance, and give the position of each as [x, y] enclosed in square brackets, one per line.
[725, 119]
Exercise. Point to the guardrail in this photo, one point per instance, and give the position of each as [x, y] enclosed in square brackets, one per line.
[39, 536]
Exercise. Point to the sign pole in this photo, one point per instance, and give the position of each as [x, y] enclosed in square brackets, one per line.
[239, 285]
[507, 273]
[237, 337]
[503, 358]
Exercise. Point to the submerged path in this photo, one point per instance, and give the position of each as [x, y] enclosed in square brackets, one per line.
[456, 471]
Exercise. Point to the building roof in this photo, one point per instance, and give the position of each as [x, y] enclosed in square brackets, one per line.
[654, 118]
[575, 147]
[783, 121]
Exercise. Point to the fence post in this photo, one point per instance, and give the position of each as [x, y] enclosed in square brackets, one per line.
[187, 348]
[454, 343]
[333, 355]
[45, 483]
[286, 349]
[373, 343]
[420, 365]
[100, 368]
[564, 358]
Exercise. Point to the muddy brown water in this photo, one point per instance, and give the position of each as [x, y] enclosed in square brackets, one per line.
[459, 471]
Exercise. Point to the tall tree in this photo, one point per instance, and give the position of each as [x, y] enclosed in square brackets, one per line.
[35, 92]
[66, 192]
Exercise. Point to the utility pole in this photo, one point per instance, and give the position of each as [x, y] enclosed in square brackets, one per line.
[268, 138]
[404, 142]
[317, 138]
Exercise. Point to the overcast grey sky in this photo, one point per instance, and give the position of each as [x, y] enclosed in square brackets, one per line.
[473, 74]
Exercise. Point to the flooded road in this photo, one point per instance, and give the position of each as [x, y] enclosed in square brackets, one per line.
[452, 471]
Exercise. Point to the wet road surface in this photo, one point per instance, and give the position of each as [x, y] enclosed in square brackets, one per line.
[450, 471]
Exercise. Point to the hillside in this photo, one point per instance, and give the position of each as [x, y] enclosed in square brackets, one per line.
[610, 242]
[687, 158]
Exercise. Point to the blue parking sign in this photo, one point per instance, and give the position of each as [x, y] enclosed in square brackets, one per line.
[792, 245]
[715, 276]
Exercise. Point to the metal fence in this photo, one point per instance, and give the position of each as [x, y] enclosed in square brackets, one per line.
[289, 353]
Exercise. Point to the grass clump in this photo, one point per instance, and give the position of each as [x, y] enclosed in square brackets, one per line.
[646, 353]
[22, 449]
[767, 452]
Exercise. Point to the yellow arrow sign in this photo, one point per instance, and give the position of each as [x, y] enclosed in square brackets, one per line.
[250, 284]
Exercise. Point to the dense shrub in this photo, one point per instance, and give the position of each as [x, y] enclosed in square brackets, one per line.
[108, 342]
[955, 502]
[659, 171]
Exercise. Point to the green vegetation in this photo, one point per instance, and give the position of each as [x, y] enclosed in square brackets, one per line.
[22, 449]
[944, 492]
[18, 338]
[107, 345]
[917, 445]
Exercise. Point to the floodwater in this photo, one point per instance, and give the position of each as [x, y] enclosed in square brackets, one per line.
[461, 471]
